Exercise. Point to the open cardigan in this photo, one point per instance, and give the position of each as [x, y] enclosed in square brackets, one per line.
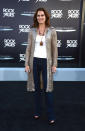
[52, 54]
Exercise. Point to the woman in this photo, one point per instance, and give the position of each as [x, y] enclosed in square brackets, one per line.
[41, 61]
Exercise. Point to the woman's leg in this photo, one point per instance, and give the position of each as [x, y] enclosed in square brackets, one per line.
[48, 95]
[50, 105]
[37, 93]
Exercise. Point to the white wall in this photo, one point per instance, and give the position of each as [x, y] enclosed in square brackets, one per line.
[62, 74]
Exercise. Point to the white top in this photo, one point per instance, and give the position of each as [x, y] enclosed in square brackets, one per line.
[40, 51]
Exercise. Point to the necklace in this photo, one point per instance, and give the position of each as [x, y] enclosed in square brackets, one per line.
[42, 34]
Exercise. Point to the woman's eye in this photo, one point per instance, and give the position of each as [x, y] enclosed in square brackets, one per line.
[40, 15]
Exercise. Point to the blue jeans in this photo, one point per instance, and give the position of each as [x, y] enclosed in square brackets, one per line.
[40, 64]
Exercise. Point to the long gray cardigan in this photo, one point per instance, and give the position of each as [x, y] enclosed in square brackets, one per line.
[52, 53]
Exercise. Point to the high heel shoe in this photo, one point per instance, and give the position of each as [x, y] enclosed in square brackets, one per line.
[36, 117]
[51, 122]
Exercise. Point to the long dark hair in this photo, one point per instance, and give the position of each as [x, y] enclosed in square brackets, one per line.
[35, 22]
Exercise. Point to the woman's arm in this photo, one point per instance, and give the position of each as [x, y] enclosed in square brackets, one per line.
[28, 49]
[54, 48]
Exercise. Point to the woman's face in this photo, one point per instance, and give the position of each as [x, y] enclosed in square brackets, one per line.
[41, 17]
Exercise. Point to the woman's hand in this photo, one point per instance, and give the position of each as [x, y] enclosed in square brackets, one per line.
[53, 69]
[27, 69]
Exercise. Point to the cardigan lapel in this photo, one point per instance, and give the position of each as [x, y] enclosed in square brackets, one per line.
[35, 32]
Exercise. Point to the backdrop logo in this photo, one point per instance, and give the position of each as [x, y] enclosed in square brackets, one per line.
[6, 57]
[24, 43]
[73, 14]
[66, 0]
[65, 58]
[8, 12]
[72, 43]
[65, 29]
[56, 14]
[31, 14]
[23, 0]
[22, 57]
[6, 28]
[59, 43]
[24, 28]
[41, 1]
[9, 42]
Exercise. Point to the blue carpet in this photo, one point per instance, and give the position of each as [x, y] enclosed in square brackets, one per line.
[16, 108]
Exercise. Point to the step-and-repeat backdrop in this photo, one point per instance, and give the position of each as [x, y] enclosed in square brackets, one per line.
[16, 19]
